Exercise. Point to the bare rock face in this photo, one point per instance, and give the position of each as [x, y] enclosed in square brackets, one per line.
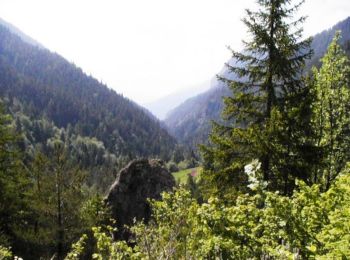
[140, 180]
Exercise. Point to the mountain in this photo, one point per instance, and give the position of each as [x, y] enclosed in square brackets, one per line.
[52, 99]
[161, 107]
[190, 122]
[322, 40]
[13, 29]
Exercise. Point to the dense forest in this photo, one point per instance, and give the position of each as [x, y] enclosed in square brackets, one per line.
[51, 99]
[275, 179]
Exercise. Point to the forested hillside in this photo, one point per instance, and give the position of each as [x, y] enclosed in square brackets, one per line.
[274, 179]
[51, 98]
[190, 122]
[64, 136]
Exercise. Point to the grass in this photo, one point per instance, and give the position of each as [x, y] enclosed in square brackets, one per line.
[181, 176]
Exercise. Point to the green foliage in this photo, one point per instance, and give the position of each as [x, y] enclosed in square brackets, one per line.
[172, 167]
[335, 234]
[14, 183]
[266, 117]
[88, 153]
[61, 207]
[331, 113]
[77, 249]
[5, 253]
[106, 247]
[59, 167]
[263, 225]
[46, 206]
[181, 176]
[94, 212]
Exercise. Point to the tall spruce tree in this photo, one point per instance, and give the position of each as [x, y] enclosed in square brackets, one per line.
[267, 115]
[331, 113]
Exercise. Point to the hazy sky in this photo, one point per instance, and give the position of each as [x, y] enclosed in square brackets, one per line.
[146, 49]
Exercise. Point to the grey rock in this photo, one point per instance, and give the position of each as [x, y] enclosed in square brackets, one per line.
[140, 180]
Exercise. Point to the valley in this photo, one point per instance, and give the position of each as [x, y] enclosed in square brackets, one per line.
[252, 164]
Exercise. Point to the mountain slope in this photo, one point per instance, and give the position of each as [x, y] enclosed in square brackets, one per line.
[322, 40]
[43, 91]
[19, 33]
[161, 107]
[190, 122]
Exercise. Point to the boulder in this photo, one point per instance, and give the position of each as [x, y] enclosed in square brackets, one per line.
[140, 180]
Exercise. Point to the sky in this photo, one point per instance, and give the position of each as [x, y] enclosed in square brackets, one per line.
[147, 49]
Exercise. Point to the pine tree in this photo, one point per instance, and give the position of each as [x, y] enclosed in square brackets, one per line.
[331, 113]
[57, 197]
[14, 184]
[265, 117]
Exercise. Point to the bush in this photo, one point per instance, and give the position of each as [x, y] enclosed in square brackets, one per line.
[260, 225]
[5, 253]
[172, 167]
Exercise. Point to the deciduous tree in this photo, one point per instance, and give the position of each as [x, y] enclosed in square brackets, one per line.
[331, 113]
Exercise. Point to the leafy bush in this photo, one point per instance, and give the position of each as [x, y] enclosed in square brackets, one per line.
[310, 224]
[172, 167]
[5, 253]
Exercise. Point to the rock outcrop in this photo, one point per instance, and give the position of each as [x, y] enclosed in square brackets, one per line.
[140, 180]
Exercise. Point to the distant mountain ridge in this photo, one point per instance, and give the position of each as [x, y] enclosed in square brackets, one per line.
[190, 122]
[161, 107]
[51, 98]
[322, 40]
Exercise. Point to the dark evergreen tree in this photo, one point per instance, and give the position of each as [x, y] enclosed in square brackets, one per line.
[56, 200]
[67, 198]
[14, 183]
[267, 115]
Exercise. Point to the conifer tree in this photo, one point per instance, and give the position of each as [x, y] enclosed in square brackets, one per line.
[57, 197]
[14, 183]
[267, 113]
[8, 177]
[331, 113]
